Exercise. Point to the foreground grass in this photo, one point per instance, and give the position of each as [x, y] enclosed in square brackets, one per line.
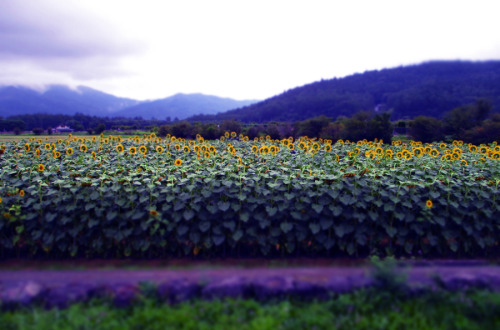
[366, 309]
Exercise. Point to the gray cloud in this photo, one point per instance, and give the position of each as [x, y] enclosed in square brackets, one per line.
[61, 37]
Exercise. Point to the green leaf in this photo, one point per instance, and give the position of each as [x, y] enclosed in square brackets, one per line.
[286, 227]
[20, 229]
[224, 206]
[315, 228]
[204, 226]
[218, 239]
[244, 216]
[317, 207]
[238, 235]
[271, 211]
[231, 225]
[182, 229]
[188, 214]
[325, 223]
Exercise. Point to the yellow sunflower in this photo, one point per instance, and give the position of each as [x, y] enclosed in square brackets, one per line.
[69, 151]
[83, 148]
[41, 167]
[120, 148]
[143, 150]
[186, 149]
[178, 162]
[159, 149]
[132, 150]
[429, 203]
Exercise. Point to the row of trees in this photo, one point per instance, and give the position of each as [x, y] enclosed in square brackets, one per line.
[78, 122]
[472, 123]
[363, 125]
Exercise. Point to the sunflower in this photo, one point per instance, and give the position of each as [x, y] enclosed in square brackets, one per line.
[483, 149]
[496, 155]
[273, 149]
[37, 153]
[463, 162]
[207, 154]
[21, 193]
[328, 147]
[455, 155]
[291, 146]
[120, 148]
[399, 155]
[434, 152]
[83, 148]
[132, 150]
[186, 149]
[212, 149]
[443, 145]
[159, 149]
[226, 134]
[143, 149]
[222, 138]
[26, 147]
[177, 147]
[69, 151]
[47, 146]
[233, 134]
[429, 203]
[153, 213]
[255, 149]
[178, 162]
[264, 150]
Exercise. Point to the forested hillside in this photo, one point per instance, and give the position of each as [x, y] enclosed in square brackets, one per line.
[428, 89]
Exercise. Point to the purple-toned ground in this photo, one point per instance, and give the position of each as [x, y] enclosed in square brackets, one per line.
[22, 283]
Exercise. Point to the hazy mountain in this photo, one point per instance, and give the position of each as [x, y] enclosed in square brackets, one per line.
[181, 106]
[58, 99]
[430, 89]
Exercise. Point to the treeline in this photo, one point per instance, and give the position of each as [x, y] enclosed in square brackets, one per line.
[363, 125]
[78, 122]
[472, 123]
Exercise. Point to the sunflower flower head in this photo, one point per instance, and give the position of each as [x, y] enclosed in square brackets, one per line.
[178, 162]
[429, 204]
[41, 167]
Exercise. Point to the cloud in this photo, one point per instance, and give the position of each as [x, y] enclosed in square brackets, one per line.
[46, 35]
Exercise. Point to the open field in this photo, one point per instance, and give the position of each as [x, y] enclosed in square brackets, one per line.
[110, 196]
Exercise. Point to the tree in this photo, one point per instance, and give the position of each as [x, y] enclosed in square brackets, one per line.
[37, 130]
[426, 129]
[100, 128]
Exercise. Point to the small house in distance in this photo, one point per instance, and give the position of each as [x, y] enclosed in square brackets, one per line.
[63, 129]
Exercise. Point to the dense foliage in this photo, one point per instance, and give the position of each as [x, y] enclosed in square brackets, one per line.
[365, 309]
[428, 89]
[108, 196]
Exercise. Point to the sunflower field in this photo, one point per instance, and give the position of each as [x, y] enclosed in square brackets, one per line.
[108, 196]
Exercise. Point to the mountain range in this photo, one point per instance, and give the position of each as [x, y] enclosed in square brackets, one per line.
[59, 99]
[430, 89]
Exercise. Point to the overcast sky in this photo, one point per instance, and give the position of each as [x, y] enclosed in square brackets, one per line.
[240, 49]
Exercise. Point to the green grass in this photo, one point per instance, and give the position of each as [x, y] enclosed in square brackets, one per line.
[366, 309]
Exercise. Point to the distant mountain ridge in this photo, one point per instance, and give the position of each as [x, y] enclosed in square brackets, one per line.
[431, 89]
[182, 106]
[59, 99]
